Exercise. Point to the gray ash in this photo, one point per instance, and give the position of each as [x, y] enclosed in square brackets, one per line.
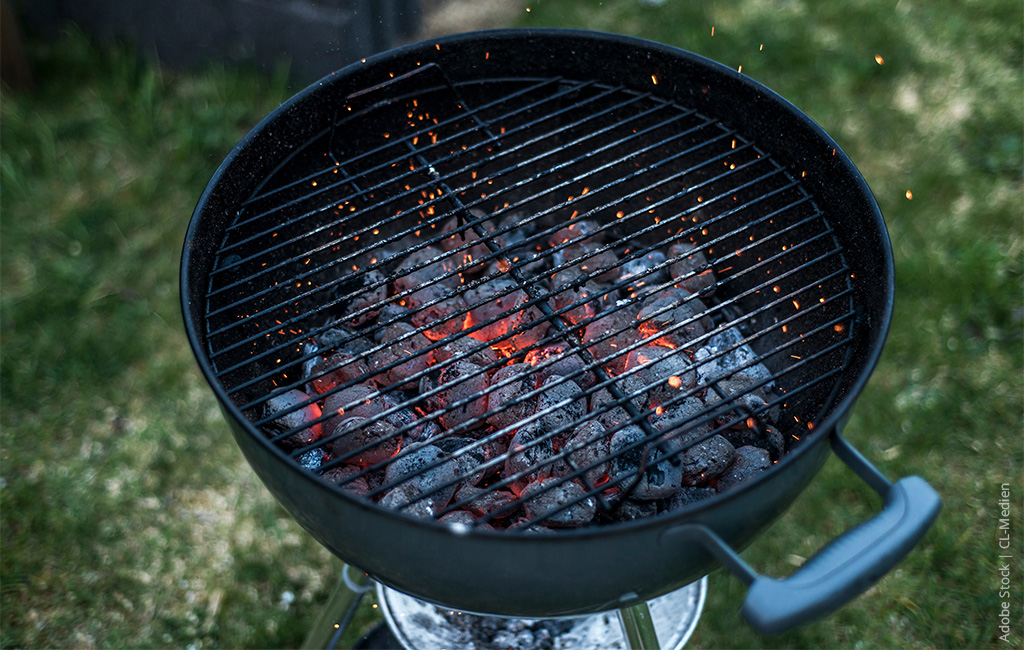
[494, 633]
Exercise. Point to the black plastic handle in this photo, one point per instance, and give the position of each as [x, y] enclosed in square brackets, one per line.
[848, 565]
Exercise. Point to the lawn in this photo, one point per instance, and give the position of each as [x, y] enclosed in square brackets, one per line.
[129, 517]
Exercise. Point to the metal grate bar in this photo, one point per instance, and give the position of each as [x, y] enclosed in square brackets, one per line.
[412, 193]
[619, 285]
[438, 237]
[458, 152]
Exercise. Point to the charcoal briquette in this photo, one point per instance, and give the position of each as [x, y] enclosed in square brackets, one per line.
[686, 496]
[661, 477]
[520, 382]
[463, 396]
[483, 502]
[768, 438]
[404, 499]
[426, 470]
[405, 348]
[704, 461]
[355, 432]
[690, 269]
[563, 503]
[291, 413]
[344, 476]
[748, 462]
[561, 403]
[329, 372]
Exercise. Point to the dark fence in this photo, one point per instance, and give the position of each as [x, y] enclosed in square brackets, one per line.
[316, 36]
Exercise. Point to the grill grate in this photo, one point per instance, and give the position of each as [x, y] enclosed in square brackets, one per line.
[413, 162]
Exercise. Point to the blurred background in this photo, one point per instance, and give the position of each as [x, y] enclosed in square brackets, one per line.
[129, 516]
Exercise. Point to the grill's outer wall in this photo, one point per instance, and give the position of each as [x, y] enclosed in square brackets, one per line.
[583, 570]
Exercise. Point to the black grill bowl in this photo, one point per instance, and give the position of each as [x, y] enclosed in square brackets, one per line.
[590, 569]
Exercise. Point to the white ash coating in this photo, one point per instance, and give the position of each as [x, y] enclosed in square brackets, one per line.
[561, 502]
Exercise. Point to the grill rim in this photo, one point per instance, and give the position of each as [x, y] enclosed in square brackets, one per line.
[278, 123]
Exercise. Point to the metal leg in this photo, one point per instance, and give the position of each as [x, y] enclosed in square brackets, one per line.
[335, 616]
[638, 627]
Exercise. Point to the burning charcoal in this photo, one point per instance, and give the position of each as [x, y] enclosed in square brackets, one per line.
[686, 419]
[375, 479]
[748, 462]
[405, 350]
[577, 232]
[355, 432]
[705, 460]
[525, 334]
[359, 400]
[411, 426]
[690, 269]
[528, 261]
[677, 319]
[462, 382]
[629, 385]
[530, 452]
[597, 262]
[483, 502]
[644, 274]
[390, 314]
[743, 398]
[668, 372]
[560, 360]
[687, 495]
[492, 303]
[466, 349]
[632, 509]
[588, 444]
[427, 470]
[562, 403]
[336, 369]
[470, 455]
[620, 324]
[574, 296]
[660, 479]
[724, 354]
[521, 382]
[434, 266]
[342, 339]
[344, 476]
[292, 416]
[402, 498]
[362, 295]
[437, 309]
[563, 503]
[770, 439]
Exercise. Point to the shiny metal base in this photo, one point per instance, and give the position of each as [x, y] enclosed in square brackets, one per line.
[418, 625]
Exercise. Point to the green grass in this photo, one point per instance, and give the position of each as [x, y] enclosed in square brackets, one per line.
[130, 518]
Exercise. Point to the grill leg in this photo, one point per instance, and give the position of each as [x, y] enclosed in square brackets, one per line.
[336, 615]
[638, 627]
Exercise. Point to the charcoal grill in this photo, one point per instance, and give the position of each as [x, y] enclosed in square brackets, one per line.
[388, 190]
